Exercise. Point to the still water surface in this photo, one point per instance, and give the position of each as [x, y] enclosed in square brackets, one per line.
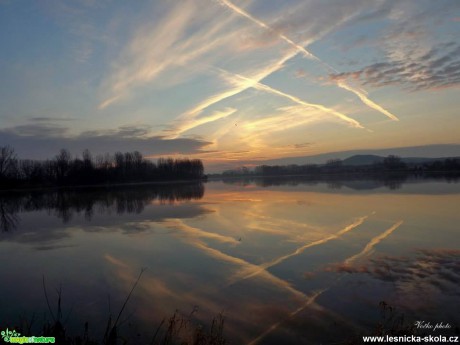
[289, 263]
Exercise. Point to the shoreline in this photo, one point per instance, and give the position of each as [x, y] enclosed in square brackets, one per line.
[99, 185]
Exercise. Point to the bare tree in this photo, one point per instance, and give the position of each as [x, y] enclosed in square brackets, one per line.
[7, 159]
[62, 161]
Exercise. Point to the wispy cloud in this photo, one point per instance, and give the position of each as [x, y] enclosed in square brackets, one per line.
[192, 122]
[436, 69]
[309, 55]
[191, 116]
[242, 12]
[156, 48]
[238, 79]
[147, 55]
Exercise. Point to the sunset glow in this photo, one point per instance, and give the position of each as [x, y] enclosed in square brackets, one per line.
[229, 82]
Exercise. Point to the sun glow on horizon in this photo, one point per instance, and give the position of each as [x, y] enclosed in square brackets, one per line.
[228, 81]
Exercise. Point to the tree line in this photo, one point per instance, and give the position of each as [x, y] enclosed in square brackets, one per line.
[390, 164]
[120, 167]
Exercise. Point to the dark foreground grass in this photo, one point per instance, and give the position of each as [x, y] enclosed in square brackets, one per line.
[178, 329]
[175, 330]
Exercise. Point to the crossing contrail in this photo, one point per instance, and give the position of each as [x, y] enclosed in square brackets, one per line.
[254, 83]
[340, 84]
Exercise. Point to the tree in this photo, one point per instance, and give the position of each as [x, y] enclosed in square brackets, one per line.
[393, 162]
[7, 160]
[334, 163]
[62, 164]
[87, 160]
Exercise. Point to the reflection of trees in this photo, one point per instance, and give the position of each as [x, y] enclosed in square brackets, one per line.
[8, 217]
[354, 181]
[65, 203]
[394, 181]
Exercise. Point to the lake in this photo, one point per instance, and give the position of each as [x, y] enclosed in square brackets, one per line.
[284, 261]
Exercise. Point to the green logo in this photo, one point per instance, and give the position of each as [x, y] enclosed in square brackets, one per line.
[16, 338]
[6, 335]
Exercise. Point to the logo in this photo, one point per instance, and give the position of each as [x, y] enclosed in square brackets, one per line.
[14, 337]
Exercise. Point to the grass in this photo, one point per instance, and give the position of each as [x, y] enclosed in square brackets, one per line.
[180, 329]
[176, 330]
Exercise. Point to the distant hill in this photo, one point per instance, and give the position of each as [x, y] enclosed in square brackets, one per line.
[362, 160]
[413, 152]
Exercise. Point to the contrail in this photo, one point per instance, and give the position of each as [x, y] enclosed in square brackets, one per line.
[194, 122]
[366, 100]
[311, 299]
[194, 239]
[191, 114]
[178, 224]
[257, 85]
[340, 84]
[373, 242]
[265, 26]
[264, 267]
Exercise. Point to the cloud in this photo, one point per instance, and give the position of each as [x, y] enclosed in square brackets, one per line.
[258, 75]
[38, 131]
[43, 141]
[185, 35]
[281, 25]
[191, 115]
[302, 145]
[342, 84]
[237, 79]
[265, 26]
[362, 96]
[415, 52]
[187, 124]
[49, 119]
[438, 68]
[418, 280]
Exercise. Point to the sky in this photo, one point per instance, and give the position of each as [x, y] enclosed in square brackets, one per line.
[230, 82]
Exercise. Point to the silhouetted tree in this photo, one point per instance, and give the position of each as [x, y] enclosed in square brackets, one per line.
[121, 167]
[62, 165]
[7, 160]
[393, 162]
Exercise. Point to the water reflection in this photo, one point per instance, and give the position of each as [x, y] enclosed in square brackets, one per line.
[355, 182]
[119, 199]
[8, 216]
[287, 264]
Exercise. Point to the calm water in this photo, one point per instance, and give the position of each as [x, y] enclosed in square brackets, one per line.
[295, 262]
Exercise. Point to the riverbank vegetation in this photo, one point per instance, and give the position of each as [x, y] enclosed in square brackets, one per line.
[390, 165]
[66, 170]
